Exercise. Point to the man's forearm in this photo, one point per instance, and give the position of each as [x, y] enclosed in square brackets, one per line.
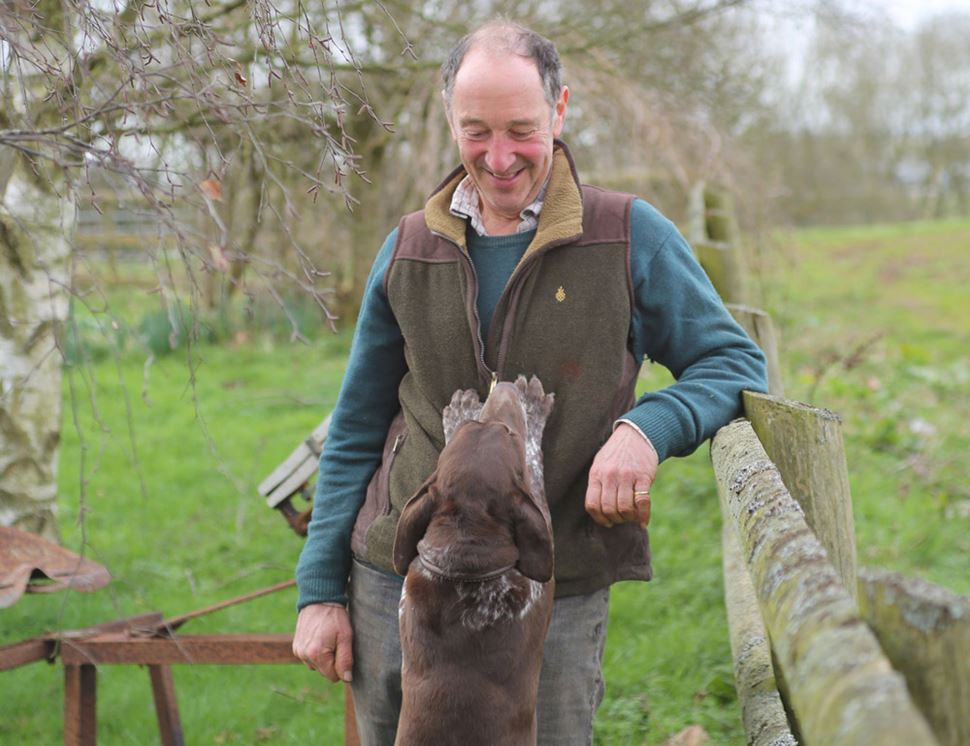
[352, 452]
[680, 322]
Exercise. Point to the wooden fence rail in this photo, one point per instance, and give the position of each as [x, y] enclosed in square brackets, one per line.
[762, 710]
[790, 568]
[841, 687]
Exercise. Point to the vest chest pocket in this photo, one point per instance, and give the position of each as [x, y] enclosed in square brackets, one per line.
[377, 502]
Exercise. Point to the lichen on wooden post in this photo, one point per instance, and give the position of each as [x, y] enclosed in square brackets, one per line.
[805, 443]
[925, 632]
[841, 686]
[762, 711]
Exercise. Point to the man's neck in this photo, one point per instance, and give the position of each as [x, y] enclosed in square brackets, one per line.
[499, 225]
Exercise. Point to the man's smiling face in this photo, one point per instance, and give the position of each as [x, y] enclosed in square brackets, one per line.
[504, 128]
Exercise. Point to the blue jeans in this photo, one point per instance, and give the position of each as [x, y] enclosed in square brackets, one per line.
[570, 686]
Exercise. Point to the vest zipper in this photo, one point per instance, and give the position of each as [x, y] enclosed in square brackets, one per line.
[488, 374]
[502, 336]
[501, 339]
[498, 333]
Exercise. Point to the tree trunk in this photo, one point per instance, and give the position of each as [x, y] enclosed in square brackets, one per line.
[36, 230]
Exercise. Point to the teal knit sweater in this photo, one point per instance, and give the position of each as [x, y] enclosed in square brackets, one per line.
[678, 321]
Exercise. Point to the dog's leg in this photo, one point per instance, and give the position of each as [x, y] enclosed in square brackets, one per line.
[538, 406]
[465, 405]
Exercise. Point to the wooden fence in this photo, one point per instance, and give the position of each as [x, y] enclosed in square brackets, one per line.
[824, 653]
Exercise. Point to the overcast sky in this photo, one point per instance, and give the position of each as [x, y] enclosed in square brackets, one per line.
[907, 13]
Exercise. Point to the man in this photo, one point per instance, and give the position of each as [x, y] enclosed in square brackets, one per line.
[512, 268]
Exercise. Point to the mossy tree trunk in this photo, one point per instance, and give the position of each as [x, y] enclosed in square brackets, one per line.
[36, 229]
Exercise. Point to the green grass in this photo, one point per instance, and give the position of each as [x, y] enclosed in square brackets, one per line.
[182, 530]
[874, 323]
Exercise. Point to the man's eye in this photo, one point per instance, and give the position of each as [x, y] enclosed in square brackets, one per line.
[522, 134]
[475, 134]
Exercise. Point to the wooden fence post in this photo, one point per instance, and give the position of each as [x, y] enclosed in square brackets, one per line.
[805, 443]
[842, 689]
[758, 325]
[925, 631]
[713, 233]
[696, 214]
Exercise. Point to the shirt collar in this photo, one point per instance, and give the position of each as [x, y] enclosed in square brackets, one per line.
[465, 204]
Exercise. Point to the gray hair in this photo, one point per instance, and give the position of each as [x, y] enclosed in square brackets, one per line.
[508, 37]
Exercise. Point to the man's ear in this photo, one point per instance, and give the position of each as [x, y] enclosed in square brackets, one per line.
[559, 112]
[415, 517]
[533, 538]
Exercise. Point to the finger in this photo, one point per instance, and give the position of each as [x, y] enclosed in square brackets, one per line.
[324, 663]
[626, 502]
[641, 502]
[344, 658]
[302, 652]
[610, 505]
[594, 504]
[643, 509]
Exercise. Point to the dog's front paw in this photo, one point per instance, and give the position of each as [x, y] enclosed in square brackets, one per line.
[538, 404]
[464, 405]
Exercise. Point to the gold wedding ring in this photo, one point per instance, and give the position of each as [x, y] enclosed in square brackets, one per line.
[637, 493]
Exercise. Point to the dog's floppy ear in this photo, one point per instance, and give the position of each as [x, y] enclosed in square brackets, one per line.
[415, 517]
[533, 538]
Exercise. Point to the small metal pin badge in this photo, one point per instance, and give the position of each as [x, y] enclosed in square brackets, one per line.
[561, 294]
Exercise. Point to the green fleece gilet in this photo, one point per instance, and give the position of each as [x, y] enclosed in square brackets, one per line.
[564, 316]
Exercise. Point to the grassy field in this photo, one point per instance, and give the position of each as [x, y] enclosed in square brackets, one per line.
[161, 456]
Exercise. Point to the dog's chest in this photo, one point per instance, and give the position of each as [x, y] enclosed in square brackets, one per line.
[506, 599]
[476, 606]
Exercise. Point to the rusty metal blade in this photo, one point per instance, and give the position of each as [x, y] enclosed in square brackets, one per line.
[32, 563]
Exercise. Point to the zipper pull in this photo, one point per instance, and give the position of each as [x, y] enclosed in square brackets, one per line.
[494, 381]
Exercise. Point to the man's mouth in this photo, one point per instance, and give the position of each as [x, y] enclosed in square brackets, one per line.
[505, 178]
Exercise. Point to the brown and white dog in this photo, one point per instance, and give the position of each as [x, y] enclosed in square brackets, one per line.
[475, 543]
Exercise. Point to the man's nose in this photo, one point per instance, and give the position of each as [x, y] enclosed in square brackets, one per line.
[501, 155]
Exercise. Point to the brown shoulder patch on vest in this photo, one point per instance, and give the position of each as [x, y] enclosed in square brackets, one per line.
[606, 216]
[416, 242]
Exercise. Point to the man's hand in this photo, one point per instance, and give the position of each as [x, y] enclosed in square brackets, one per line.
[323, 640]
[620, 479]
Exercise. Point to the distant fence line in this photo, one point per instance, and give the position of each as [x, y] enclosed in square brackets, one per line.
[858, 657]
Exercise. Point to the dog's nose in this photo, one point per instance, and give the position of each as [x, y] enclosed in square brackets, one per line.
[504, 404]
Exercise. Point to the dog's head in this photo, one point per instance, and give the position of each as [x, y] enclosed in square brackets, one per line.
[480, 491]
